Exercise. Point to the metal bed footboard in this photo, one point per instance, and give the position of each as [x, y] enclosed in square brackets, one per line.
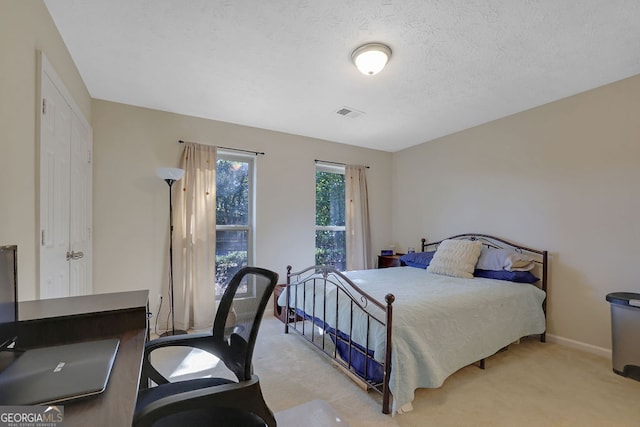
[321, 276]
[325, 288]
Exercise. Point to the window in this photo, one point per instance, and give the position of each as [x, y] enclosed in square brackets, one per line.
[330, 223]
[234, 219]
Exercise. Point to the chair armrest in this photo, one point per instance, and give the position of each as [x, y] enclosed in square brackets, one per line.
[188, 340]
[204, 341]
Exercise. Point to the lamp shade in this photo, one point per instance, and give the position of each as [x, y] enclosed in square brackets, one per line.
[170, 173]
[371, 58]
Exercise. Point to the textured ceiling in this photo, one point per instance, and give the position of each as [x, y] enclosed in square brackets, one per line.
[285, 65]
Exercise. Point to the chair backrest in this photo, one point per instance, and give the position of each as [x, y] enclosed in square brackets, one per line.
[238, 319]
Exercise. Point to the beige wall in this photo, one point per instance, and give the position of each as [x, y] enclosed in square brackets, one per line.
[562, 177]
[131, 203]
[25, 29]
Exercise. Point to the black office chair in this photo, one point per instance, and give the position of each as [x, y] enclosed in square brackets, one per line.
[214, 401]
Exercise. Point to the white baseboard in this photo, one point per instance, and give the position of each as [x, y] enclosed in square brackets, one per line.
[599, 351]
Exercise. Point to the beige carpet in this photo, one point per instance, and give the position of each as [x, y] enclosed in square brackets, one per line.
[531, 384]
[315, 413]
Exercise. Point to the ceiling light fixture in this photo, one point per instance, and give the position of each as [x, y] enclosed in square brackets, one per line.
[371, 58]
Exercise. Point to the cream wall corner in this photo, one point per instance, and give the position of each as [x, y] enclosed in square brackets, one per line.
[562, 177]
[26, 29]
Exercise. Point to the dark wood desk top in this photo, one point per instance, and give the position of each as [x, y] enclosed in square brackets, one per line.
[120, 315]
[81, 305]
[115, 406]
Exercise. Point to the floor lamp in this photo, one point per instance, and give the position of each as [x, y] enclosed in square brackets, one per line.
[171, 175]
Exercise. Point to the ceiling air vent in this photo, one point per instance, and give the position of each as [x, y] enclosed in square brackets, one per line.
[349, 112]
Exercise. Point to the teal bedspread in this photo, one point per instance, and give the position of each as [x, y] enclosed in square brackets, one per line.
[440, 324]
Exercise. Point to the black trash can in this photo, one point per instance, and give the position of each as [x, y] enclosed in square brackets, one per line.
[625, 333]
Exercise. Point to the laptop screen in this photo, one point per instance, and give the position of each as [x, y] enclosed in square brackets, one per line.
[8, 295]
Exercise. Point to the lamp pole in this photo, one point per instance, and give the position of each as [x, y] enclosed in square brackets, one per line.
[170, 182]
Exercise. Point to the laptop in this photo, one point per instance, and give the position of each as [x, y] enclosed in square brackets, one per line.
[58, 374]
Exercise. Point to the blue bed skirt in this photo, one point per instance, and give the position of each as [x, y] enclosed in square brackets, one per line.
[358, 361]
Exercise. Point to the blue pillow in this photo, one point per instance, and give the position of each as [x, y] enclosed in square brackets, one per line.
[512, 276]
[417, 259]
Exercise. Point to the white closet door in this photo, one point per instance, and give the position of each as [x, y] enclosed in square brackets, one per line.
[80, 282]
[55, 134]
[66, 143]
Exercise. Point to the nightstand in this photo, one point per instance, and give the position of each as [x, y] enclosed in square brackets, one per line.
[278, 311]
[385, 261]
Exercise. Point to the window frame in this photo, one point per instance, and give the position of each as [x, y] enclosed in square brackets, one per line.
[249, 228]
[329, 168]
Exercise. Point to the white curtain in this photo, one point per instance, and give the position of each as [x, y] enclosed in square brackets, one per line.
[194, 238]
[357, 219]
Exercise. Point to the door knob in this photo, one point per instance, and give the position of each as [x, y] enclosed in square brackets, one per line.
[75, 255]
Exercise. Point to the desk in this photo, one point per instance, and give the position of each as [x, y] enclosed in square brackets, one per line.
[116, 315]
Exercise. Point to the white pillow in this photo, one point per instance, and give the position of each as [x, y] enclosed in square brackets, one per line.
[504, 259]
[518, 262]
[455, 258]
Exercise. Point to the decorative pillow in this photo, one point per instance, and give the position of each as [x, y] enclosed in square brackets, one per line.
[503, 259]
[512, 276]
[417, 259]
[455, 258]
[518, 262]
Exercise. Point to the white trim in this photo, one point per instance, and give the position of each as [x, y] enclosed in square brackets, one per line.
[230, 152]
[47, 68]
[593, 349]
[331, 228]
[331, 168]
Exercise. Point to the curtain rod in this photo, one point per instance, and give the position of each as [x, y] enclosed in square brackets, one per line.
[333, 163]
[257, 153]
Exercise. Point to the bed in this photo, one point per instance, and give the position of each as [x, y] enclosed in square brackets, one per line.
[399, 329]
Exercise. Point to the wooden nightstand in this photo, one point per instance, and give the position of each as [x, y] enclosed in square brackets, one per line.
[278, 311]
[385, 261]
